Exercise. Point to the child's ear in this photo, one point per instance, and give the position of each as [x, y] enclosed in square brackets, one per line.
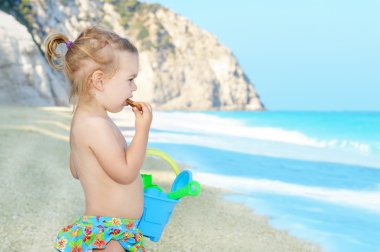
[97, 80]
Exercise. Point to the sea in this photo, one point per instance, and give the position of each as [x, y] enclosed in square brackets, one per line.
[315, 174]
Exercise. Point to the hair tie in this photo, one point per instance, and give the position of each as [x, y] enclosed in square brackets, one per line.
[69, 44]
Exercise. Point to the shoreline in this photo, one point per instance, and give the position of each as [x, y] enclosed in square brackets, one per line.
[241, 225]
[35, 154]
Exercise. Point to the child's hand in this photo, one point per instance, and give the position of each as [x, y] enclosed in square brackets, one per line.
[144, 117]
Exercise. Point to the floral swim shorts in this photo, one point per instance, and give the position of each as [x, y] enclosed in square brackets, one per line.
[94, 232]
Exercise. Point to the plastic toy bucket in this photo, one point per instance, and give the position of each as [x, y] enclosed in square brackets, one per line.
[158, 208]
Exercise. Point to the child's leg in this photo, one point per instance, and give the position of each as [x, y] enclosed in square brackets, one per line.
[112, 246]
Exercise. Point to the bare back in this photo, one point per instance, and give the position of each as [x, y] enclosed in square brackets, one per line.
[104, 196]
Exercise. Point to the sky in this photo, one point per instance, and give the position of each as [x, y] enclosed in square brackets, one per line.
[307, 55]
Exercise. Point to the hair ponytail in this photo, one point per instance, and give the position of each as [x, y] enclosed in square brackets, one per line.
[51, 43]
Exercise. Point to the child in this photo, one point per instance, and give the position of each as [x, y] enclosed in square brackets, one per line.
[101, 67]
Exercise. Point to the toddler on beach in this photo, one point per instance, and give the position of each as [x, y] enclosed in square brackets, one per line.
[101, 67]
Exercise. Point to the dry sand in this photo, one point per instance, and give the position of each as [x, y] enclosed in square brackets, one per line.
[39, 196]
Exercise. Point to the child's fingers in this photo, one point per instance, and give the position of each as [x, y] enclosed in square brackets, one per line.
[146, 106]
[136, 111]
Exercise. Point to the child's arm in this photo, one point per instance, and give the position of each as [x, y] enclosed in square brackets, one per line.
[137, 148]
[111, 154]
[72, 167]
[136, 151]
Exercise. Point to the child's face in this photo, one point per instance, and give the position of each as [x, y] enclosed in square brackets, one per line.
[122, 84]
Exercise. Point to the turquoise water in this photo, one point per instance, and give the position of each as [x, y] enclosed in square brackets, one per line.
[315, 174]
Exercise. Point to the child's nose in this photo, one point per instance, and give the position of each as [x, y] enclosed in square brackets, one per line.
[134, 87]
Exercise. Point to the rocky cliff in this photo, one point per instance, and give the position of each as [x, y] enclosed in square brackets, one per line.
[181, 65]
[25, 76]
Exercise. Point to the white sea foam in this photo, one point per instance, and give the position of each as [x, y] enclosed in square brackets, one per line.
[368, 200]
[232, 134]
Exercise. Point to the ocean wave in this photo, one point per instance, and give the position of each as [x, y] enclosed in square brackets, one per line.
[200, 129]
[264, 148]
[198, 123]
[363, 199]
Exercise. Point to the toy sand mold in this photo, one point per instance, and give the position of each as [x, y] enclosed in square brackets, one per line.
[158, 205]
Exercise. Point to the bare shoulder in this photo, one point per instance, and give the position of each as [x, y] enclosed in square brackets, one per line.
[87, 126]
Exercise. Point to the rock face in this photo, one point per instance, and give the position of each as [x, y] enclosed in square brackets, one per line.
[25, 77]
[181, 65]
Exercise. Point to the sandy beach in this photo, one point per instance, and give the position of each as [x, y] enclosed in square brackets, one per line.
[39, 195]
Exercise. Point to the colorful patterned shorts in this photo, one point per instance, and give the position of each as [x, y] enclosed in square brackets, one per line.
[94, 232]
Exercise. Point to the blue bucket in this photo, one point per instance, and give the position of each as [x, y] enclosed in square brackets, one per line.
[157, 212]
[158, 208]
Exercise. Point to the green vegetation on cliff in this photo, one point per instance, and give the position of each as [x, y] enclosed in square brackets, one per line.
[21, 9]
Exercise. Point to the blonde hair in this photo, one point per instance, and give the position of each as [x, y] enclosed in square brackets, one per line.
[92, 50]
